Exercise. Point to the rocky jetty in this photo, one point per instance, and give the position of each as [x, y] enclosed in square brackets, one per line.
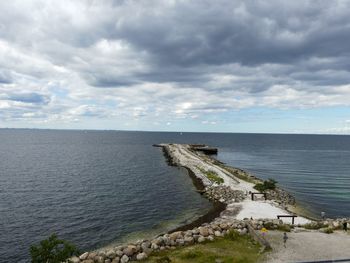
[224, 194]
[222, 184]
[142, 249]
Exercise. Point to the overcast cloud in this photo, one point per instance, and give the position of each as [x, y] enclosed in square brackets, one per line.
[175, 65]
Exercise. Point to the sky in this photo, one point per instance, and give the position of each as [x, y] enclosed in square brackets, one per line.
[167, 65]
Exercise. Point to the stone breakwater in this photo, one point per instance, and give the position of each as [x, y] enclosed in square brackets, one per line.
[142, 249]
[221, 184]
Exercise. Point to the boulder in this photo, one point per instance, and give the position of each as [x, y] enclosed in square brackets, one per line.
[88, 261]
[84, 256]
[203, 231]
[201, 239]
[75, 260]
[124, 259]
[99, 259]
[210, 238]
[189, 240]
[111, 254]
[92, 255]
[175, 235]
[154, 246]
[217, 234]
[119, 253]
[107, 260]
[195, 231]
[130, 250]
[116, 260]
[224, 226]
[141, 256]
[180, 242]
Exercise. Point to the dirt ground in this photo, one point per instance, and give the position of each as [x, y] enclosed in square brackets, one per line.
[308, 246]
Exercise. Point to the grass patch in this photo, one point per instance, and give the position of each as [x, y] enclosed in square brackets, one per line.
[232, 248]
[212, 176]
[240, 174]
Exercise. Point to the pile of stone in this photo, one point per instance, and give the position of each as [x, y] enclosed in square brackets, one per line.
[143, 248]
[224, 194]
[281, 196]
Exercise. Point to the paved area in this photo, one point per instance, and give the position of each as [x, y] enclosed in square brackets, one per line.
[308, 246]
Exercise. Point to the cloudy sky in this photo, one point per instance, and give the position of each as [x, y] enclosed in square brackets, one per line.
[226, 66]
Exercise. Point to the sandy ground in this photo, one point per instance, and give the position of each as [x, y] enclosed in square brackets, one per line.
[308, 246]
[265, 209]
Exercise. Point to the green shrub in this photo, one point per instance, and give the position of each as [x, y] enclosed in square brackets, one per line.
[269, 225]
[328, 230]
[52, 250]
[315, 225]
[269, 184]
[284, 228]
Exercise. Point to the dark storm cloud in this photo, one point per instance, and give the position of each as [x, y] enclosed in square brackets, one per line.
[246, 32]
[187, 41]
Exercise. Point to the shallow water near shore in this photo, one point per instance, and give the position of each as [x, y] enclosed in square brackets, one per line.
[96, 188]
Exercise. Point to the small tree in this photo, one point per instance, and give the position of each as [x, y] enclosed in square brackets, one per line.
[52, 250]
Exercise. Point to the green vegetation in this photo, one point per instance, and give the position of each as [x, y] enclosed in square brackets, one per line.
[232, 248]
[328, 230]
[212, 176]
[315, 225]
[240, 174]
[284, 228]
[269, 184]
[52, 250]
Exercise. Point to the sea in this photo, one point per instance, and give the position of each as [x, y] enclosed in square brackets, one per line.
[101, 188]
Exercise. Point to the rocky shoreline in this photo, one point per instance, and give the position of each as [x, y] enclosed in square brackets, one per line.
[228, 189]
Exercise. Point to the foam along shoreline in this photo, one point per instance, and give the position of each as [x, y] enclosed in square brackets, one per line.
[240, 206]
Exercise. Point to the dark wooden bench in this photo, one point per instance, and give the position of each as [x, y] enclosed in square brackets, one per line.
[256, 193]
[292, 216]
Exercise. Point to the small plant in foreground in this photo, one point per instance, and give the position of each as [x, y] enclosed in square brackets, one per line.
[52, 250]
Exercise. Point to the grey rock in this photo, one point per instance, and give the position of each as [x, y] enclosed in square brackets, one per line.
[141, 256]
[124, 259]
[84, 256]
[75, 259]
[201, 239]
[203, 231]
[189, 240]
[130, 250]
[217, 234]
[92, 255]
[111, 254]
[119, 253]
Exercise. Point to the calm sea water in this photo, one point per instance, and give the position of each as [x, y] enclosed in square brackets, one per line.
[99, 187]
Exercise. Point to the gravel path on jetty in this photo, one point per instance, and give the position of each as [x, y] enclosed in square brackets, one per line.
[182, 155]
